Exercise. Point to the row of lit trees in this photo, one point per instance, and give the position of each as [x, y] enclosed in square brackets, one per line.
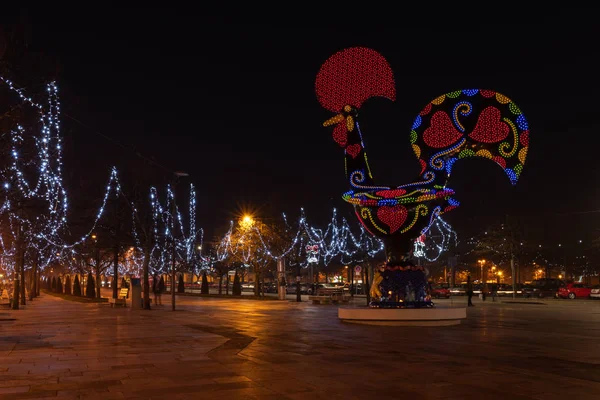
[257, 245]
[138, 232]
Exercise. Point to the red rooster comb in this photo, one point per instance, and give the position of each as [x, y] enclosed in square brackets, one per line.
[351, 76]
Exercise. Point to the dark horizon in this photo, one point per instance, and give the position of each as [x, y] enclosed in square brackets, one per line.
[233, 105]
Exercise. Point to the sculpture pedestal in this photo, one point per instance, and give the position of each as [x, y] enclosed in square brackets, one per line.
[437, 316]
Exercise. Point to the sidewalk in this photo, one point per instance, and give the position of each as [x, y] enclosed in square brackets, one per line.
[213, 348]
[74, 350]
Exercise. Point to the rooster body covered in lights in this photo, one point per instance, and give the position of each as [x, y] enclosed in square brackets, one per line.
[456, 125]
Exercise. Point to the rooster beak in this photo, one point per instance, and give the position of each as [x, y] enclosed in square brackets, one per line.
[334, 120]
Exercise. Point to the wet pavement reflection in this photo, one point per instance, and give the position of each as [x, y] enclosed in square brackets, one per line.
[265, 349]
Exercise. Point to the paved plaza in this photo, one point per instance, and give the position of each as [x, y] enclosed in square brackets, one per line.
[212, 348]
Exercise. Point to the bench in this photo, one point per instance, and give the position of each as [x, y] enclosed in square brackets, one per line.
[329, 295]
[121, 299]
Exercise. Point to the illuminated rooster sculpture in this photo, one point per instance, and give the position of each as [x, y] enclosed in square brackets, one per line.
[456, 125]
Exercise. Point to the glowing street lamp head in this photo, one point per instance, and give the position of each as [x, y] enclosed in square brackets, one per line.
[247, 221]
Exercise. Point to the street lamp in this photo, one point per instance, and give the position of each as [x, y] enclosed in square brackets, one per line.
[481, 264]
[247, 221]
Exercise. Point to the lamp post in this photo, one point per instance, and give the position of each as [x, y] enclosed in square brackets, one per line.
[481, 264]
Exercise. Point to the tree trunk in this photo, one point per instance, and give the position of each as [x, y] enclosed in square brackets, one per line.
[227, 284]
[173, 277]
[146, 267]
[38, 282]
[97, 255]
[298, 295]
[351, 282]
[221, 284]
[16, 292]
[256, 282]
[367, 286]
[19, 261]
[31, 283]
[22, 285]
[116, 251]
[261, 285]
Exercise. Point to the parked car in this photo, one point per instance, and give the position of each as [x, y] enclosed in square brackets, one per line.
[440, 291]
[248, 287]
[327, 288]
[305, 288]
[545, 287]
[595, 292]
[506, 289]
[270, 287]
[460, 290]
[575, 290]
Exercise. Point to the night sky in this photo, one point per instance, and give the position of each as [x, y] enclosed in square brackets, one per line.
[231, 102]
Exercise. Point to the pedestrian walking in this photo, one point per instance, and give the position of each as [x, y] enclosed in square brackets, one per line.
[469, 291]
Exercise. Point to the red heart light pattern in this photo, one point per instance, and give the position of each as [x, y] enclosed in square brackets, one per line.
[353, 150]
[490, 128]
[392, 216]
[441, 133]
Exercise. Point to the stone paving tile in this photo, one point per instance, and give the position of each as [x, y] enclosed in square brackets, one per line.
[285, 350]
[14, 389]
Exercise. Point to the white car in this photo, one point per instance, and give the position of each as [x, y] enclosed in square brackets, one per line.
[595, 293]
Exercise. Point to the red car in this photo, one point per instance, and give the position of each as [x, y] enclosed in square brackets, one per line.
[438, 292]
[574, 290]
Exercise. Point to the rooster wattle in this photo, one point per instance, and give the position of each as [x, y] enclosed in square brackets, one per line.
[456, 125]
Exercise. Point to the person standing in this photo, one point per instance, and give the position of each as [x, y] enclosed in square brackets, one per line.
[469, 291]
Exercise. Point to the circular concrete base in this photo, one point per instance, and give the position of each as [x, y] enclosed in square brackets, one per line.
[403, 316]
